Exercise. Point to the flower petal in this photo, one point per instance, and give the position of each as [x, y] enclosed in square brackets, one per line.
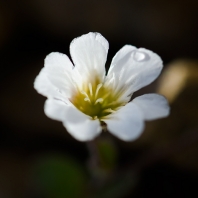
[55, 77]
[135, 68]
[126, 123]
[79, 125]
[89, 54]
[153, 106]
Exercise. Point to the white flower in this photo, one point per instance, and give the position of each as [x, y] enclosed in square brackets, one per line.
[83, 96]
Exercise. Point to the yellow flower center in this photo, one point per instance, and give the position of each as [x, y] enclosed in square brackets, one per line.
[97, 100]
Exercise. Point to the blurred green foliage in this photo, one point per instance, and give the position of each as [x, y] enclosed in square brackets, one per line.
[60, 177]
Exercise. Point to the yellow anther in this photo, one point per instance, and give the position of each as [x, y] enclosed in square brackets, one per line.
[98, 100]
[97, 89]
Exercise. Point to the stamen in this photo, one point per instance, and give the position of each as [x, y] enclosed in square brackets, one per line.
[109, 111]
[85, 94]
[95, 117]
[87, 99]
[98, 100]
[97, 89]
[90, 89]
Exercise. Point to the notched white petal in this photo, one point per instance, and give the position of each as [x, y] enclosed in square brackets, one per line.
[58, 73]
[139, 67]
[89, 54]
[153, 106]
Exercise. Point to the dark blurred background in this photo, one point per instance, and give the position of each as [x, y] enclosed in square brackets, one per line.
[39, 159]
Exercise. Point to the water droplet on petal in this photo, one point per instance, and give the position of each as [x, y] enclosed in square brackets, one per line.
[140, 56]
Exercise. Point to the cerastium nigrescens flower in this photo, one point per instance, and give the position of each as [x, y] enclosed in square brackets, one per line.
[83, 97]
